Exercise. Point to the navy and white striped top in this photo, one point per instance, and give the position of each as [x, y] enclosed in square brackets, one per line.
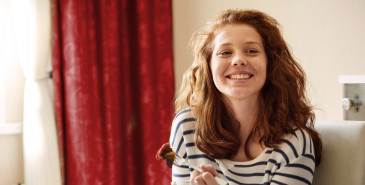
[291, 163]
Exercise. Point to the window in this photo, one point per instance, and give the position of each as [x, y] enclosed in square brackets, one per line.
[11, 77]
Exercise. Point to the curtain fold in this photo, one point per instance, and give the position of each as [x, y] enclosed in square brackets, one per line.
[32, 19]
[113, 74]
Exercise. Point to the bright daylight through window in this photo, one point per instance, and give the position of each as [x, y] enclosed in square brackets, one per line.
[11, 77]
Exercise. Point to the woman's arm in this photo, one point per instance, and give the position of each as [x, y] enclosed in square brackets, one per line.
[177, 143]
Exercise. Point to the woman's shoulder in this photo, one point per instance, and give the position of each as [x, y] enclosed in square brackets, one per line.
[301, 138]
[183, 125]
[297, 144]
[185, 113]
[182, 117]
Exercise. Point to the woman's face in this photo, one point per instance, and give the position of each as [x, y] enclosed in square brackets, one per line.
[238, 62]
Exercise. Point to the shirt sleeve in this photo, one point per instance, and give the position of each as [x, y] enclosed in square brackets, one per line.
[298, 162]
[177, 143]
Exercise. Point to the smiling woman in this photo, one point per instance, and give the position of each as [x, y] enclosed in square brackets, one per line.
[242, 110]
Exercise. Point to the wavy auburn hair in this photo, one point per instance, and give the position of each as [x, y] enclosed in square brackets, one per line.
[283, 105]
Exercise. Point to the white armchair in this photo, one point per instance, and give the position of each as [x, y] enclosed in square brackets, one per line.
[343, 157]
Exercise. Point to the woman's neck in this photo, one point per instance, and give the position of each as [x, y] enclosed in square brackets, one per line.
[245, 112]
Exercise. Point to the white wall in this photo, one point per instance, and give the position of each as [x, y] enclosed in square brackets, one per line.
[326, 36]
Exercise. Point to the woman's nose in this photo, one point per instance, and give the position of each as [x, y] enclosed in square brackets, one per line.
[239, 60]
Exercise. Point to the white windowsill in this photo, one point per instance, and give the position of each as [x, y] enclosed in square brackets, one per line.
[351, 79]
[10, 128]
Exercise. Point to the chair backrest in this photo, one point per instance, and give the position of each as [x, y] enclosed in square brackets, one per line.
[343, 157]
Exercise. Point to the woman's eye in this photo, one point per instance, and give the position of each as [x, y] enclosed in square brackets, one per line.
[252, 51]
[225, 53]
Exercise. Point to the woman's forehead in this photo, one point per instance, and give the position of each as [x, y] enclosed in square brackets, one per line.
[237, 33]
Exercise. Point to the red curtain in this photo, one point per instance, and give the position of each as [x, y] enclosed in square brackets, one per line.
[114, 85]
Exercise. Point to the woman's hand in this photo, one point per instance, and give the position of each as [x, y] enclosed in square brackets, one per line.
[207, 176]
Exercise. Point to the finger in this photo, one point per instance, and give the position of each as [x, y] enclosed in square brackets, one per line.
[209, 178]
[200, 180]
[209, 168]
[194, 175]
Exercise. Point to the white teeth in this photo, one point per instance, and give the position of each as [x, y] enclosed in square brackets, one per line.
[240, 76]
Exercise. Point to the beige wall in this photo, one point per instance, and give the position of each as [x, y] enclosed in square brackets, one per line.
[327, 38]
[11, 159]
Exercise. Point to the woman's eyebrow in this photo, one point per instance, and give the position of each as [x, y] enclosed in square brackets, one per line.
[245, 43]
[225, 44]
[252, 42]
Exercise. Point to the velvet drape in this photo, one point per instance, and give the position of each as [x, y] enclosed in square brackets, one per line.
[114, 88]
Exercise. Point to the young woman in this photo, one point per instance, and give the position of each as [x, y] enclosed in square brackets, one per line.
[242, 110]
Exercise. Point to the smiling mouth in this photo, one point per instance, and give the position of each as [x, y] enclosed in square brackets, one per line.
[240, 76]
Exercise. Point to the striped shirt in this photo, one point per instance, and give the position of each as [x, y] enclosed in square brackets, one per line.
[291, 163]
